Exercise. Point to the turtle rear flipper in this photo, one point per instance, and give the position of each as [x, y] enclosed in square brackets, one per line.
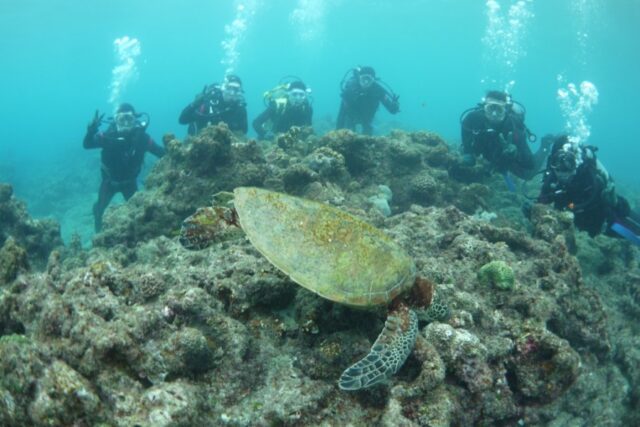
[388, 354]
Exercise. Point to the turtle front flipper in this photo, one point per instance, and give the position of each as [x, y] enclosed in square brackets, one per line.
[388, 354]
[209, 225]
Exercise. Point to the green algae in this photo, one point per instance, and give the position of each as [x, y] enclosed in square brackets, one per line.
[497, 274]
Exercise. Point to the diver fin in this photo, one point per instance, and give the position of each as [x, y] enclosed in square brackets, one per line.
[626, 233]
[388, 354]
[511, 186]
[632, 222]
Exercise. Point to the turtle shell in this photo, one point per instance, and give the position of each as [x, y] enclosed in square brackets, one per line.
[324, 249]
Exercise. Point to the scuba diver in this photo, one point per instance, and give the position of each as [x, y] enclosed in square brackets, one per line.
[495, 129]
[123, 145]
[215, 104]
[576, 180]
[287, 105]
[362, 94]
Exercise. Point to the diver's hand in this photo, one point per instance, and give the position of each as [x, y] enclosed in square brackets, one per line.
[200, 98]
[509, 150]
[547, 142]
[94, 124]
[505, 141]
[395, 104]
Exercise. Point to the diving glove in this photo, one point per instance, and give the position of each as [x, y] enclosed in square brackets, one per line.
[94, 124]
[395, 106]
[505, 141]
[509, 150]
[200, 97]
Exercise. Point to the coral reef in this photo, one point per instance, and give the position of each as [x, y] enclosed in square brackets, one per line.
[181, 182]
[13, 260]
[339, 168]
[139, 330]
[37, 237]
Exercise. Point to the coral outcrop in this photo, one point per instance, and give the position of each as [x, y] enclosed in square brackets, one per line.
[141, 331]
[497, 274]
[37, 237]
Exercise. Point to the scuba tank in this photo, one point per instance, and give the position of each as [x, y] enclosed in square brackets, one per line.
[278, 94]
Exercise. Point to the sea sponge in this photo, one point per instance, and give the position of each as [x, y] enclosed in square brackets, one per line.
[327, 163]
[497, 274]
[381, 200]
[424, 188]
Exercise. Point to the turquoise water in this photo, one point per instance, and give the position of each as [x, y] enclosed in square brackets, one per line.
[439, 55]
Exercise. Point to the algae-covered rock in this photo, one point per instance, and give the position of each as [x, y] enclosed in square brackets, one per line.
[20, 366]
[549, 223]
[329, 164]
[6, 191]
[13, 260]
[166, 336]
[209, 150]
[544, 366]
[437, 410]
[37, 237]
[497, 274]
[195, 353]
[182, 181]
[168, 404]
[297, 176]
[64, 397]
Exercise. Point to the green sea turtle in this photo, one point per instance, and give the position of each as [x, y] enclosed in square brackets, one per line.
[345, 260]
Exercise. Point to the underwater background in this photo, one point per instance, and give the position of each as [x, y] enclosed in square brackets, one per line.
[194, 306]
[61, 64]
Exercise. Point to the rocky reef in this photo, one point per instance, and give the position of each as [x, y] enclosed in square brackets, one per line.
[23, 240]
[341, 167]
[139, 330]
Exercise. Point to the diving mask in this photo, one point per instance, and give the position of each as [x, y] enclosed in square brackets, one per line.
[232, 92]
[564, 164]
[297, 97]
[495, 111]
[125, 121]
[365, 80]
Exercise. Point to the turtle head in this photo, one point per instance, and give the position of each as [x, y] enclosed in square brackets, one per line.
[420, 295]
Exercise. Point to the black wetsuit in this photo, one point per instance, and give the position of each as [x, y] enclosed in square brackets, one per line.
[283, 117]
[122, 157]
[590, 194]
[211, 109]
[359, 105]
[481, 137]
